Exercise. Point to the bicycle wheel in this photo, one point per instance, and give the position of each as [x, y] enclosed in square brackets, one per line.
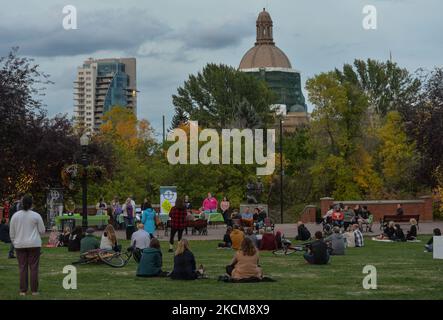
[279, 252]
[113, 259]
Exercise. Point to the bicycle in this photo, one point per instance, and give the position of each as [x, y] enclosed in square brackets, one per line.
[111, 258]
[288, 249]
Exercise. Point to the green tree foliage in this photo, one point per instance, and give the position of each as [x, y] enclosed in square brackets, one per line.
[397, 154]
[222, 97]
[387, 86]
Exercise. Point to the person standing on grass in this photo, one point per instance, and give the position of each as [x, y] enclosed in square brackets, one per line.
[178, 222]
[25, 229]
[148, 218]
[210, 204]
[224, 206]
[128, 212]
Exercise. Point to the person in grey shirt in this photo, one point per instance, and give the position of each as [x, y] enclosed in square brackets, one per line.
[337, 242]
[141, 238]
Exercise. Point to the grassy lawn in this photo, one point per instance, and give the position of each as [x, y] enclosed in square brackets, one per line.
[404, 272]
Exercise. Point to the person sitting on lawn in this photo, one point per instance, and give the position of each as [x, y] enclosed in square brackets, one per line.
[53, 241]
[349, 237]
[389, 231]
[337, 242]
[348, 217]
[337, 217]
[250, 234]
[89, 242]
[365, 217]
[429, 247]
[411, 235]
[268, 241]
[151, 261]
[244, 265]
[75, 239]
[227, 242]
[140, 239]
[303, 232]
[317, 251]
[63, 238]
[184, 263]
[237, 237]
[358, 236]
[399, 234]
[247, 217]
[327, 230]
[109, 239]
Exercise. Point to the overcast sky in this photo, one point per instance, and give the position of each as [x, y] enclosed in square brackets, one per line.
[174, 38]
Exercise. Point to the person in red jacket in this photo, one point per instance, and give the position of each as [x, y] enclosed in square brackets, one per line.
[338, 217]
[177, 215]
[268, 241]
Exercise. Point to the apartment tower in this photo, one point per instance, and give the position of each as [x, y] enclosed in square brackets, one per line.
[100, 85]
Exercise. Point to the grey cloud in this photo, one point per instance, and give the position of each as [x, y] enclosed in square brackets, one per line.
[216, 36]
[100, 30]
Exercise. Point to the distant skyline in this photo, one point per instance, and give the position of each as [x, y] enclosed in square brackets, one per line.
[172, 39]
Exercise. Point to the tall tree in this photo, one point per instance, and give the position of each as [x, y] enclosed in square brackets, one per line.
[386, 85]
[222, 97]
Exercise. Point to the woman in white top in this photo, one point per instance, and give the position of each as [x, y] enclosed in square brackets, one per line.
[349, 238]
[109, 239]
[25, 229]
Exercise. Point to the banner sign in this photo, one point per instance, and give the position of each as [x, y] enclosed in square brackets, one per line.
[54, 205]
[168, 196]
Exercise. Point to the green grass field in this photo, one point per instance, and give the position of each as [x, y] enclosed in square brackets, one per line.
[404, 272]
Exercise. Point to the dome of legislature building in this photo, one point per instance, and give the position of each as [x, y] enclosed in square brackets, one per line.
[265, 54]
[269, 63]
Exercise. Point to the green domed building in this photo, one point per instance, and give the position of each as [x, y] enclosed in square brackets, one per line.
[266, 61]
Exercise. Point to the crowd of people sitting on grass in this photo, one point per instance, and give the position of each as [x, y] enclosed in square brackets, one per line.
[247, 234]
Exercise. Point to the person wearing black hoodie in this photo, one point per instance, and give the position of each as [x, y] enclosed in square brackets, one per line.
[399, 235]
[303, 232]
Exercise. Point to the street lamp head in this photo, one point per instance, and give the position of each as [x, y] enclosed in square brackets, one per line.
[84, 140]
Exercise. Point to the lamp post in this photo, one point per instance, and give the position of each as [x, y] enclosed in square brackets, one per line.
[84, 142]
[281, 170]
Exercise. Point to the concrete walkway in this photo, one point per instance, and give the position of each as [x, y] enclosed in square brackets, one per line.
[289, 230]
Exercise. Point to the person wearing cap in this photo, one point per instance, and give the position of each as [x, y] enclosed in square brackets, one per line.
[89, 242]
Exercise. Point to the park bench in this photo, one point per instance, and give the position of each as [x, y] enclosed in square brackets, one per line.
[399, 218]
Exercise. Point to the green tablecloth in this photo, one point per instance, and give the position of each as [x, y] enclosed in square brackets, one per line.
[92, 220]
[215, 217]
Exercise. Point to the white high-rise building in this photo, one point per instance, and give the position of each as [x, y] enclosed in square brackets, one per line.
[100, 85]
